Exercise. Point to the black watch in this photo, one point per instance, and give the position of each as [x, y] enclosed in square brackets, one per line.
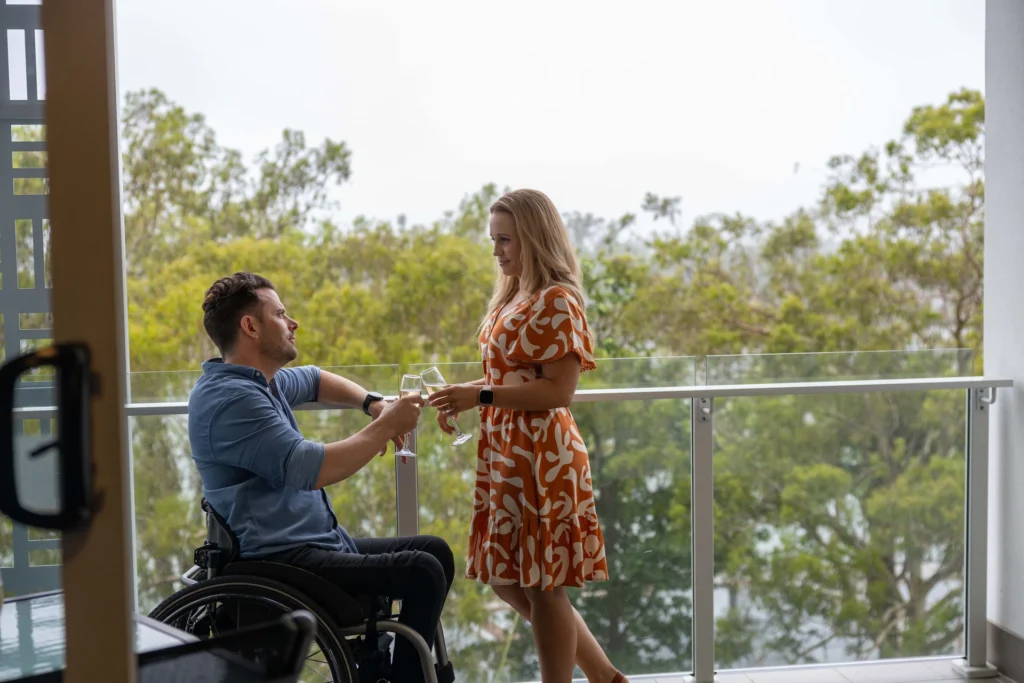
[486, 397]
[371, 397]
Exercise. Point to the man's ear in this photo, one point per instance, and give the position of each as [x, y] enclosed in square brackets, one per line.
[248, 325]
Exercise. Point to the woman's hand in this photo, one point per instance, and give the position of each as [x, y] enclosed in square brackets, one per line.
[445, 423]
[455, 399]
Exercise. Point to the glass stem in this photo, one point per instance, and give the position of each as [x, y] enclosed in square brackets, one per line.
[454, 423]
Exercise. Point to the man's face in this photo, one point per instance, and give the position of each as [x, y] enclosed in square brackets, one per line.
[277, 330]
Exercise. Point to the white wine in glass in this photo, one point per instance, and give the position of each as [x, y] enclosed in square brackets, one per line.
[412, 385]
[434, 382]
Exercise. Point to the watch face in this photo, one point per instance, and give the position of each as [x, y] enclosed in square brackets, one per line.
[374, 396]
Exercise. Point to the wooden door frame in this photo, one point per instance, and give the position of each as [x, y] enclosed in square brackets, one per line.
[89, 305]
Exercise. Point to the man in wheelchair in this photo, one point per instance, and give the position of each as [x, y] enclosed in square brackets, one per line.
[267, 482]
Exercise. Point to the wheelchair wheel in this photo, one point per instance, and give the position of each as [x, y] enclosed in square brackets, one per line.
[225, 603]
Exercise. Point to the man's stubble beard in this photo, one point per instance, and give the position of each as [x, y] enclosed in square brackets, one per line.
[283, 354]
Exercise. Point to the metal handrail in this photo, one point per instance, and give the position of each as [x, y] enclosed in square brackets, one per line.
[648, 394]
[981, 394]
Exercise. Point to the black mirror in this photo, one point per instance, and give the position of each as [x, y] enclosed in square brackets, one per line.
[45, 462]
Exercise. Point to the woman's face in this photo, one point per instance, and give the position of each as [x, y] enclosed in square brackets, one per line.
[507, 247]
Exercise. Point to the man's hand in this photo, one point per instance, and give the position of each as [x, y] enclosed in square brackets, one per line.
[375, 409]
[402, 415]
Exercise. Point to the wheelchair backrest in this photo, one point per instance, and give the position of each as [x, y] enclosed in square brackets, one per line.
[218, 533]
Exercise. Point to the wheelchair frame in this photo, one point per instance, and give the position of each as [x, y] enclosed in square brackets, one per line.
[219, 556]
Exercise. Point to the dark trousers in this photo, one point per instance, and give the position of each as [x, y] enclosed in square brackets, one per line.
[418, 570]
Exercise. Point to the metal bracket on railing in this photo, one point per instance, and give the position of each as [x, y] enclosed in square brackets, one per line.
[706, 409]
[986, 397]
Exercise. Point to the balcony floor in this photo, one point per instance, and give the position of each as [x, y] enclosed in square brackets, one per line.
[932, 671]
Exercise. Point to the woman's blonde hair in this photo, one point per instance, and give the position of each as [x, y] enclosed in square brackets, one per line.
[547, 253]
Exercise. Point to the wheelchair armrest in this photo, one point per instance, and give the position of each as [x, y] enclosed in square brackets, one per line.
[212, 556]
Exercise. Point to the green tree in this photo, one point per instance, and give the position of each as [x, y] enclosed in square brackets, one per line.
[838, 522]
[818, 540]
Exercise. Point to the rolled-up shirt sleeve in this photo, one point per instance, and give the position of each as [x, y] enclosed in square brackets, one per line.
[249, 433]
[298, 385]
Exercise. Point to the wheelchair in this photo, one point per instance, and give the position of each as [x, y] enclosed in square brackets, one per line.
[354, 633]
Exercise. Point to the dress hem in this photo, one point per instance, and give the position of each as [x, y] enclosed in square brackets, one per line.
[572, 535]
[512, 582]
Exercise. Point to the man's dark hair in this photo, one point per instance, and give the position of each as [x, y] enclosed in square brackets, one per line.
[226, 301]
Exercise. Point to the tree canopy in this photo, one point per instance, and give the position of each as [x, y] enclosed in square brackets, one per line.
[839, 520]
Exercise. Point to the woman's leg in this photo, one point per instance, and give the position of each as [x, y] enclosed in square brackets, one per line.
[554, 633]
[589, 655]
[514, 597]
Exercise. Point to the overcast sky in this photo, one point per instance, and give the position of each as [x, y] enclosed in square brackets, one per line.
[593, 102]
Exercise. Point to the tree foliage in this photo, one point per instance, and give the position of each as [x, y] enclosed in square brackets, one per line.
[839, 520]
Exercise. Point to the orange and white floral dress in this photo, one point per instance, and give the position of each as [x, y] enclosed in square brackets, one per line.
[534, 519]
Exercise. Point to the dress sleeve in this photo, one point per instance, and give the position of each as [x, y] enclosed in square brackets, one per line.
[555, 326]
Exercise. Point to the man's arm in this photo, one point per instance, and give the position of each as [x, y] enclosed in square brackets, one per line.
[344, 458]
[250, 434]
[340, 391]
[310, 383]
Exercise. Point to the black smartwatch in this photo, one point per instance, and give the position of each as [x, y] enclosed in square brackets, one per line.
[371, 397]
[486, 397]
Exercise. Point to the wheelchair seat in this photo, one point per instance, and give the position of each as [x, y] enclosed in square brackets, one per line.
[220, 556]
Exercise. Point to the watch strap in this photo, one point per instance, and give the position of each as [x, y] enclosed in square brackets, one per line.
[370, 398]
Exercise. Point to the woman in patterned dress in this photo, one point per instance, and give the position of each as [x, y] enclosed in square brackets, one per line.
[534, 529]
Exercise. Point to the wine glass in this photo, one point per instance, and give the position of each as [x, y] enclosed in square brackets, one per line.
[412, 385]
[434, 381]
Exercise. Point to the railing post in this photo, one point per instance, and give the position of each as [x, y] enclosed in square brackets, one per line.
[702, 545]
[975, 662]
[407, 497]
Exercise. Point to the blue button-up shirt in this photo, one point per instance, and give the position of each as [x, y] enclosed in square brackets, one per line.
[258, 470]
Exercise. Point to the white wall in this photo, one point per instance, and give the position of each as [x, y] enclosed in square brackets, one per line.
[1004, 305]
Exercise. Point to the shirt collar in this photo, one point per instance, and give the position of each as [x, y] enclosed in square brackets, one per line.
[217, 366]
